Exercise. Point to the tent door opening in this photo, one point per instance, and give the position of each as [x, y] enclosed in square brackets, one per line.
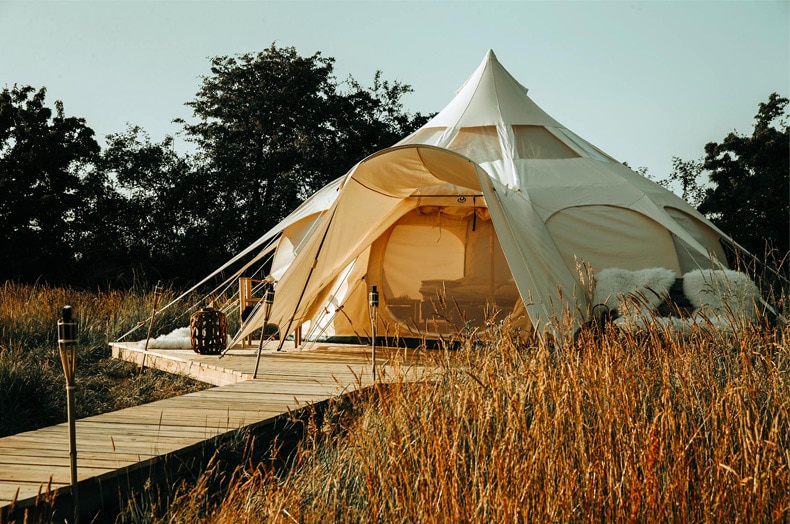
[441, 269]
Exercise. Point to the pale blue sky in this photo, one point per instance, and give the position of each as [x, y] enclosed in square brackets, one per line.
[644, 81]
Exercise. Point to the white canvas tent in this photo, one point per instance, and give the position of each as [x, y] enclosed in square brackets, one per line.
[492, 203]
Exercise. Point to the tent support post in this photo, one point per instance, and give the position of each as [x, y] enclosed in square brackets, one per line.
[268, 300]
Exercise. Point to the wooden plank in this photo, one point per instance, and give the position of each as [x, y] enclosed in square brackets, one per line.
[16, 472]
[22, 456]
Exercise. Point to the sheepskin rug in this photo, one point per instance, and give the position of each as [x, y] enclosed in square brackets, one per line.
[721, 295]
[176, 339]
[722, 299]
[633, 292]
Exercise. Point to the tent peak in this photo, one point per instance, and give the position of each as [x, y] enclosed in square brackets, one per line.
[490, 56]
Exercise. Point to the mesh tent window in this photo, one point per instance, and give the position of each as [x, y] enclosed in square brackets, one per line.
[536, 142]
[481, 143]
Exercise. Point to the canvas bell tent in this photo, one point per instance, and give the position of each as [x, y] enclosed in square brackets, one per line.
[489, 208]
[485, 212]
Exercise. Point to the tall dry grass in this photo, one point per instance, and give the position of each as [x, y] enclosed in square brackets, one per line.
[32, 385]
[614, 428]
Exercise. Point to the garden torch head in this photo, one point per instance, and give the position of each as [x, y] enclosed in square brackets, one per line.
[268, 300]
[67, 343]
[268, 297]
[373, 302]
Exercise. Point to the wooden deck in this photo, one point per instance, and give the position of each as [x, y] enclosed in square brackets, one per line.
[115, 448]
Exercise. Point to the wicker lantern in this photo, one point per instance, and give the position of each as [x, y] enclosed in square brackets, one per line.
[208, 329]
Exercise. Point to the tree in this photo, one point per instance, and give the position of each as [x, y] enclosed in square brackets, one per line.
[42, 158]
[687, 173]
[750, 195]
[274, 126]
[271, 128]
[134, 214]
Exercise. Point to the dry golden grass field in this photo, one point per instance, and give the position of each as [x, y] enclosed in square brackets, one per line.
[612, 428]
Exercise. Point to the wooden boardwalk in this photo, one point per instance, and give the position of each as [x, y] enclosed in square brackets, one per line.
[117, 447]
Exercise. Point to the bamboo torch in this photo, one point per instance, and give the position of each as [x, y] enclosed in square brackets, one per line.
[67, 345]
[374, 313]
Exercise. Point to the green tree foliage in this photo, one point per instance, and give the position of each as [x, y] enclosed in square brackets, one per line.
[270, 129]
[750, 196]
[274, 126]
[687, 173]
[43, 155]
[137, 214]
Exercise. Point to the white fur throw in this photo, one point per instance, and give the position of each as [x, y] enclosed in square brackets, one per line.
[721, 294]
[632, 292]
[722, 299]
[633, 323]
[177, 339]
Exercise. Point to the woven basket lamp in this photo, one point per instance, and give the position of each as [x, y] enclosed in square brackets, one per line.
[208, 329]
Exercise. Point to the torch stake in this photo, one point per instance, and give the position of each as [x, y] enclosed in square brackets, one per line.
[67, 346]
[373, 300]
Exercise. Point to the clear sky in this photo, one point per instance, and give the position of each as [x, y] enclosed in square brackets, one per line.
[644, 81]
